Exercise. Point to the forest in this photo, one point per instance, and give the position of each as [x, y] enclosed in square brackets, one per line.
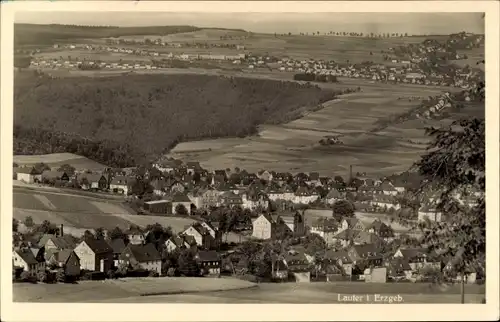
[122, 120]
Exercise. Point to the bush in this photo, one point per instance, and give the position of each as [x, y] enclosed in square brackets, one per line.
[153, 274]
[28, 278]
[111, 274]
[94, 276]
[42, 276]
[171, 272]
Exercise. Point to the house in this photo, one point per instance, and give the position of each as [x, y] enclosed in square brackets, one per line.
[340, 258]
[367, 253]
[210, 198]
[179, 242]
[333, 196]
[52, 243]
[159, 186]
[382, 230]
[201, 235]
[304, 196]
[93, 181]
[326, 228]
[255, 201]
[28, 175]
[231, 200]
[24, 258]
[294, 221]
[118, 245]
[95, 255]
[264, 227]
[209, 261]
[143, 256]
[158, 207]
[121, 184]
[68, 260]
[399, 268]
[429, 212]
[135, 235]
[265, 175]
[353, 223]
[417, 258]
[298, 264]
[53, 176]
[181, 199]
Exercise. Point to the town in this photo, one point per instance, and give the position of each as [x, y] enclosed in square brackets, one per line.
[265, 209]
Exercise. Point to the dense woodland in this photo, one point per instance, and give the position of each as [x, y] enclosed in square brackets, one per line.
[125, 119]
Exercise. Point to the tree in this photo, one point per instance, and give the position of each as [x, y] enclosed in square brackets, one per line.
[117, 233]
[187, 264]
[28, 222]
[180, 209]
[88, 234]
[15, 224]
[343, 208]
[60, 276]
[47, 228]
[99, 233]
[41, 276]
[455, 164]
[69, 169]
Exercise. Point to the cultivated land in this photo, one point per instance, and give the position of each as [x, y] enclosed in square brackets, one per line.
[57, 159]
[294, 146]
[114, 290]
[78, 213]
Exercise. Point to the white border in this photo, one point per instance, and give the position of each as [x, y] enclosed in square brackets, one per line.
[253, 312]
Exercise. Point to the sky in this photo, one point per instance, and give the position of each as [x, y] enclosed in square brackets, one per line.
[412, 23]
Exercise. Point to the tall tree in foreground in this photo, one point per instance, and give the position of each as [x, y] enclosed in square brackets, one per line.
[454, 166]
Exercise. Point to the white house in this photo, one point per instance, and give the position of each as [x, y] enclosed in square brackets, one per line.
[27, 260]
[28, 175]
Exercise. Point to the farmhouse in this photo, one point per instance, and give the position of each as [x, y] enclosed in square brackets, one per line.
[201, 235]
[93, 181]
[143, 256]
[181, 200]
[53, 176]
[25, 259]
[121, 184]
[68, 260]
[28, 175]
[95, 255]
[210, 262]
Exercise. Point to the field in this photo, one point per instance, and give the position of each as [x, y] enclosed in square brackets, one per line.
[98, 291]
[294, 146]
[57, 159]
[78, 213]
[295, 46]
[234, 291]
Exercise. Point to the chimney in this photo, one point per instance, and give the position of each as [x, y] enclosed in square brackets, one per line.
[61, 230]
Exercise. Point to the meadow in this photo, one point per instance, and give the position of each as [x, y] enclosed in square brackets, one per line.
[55, 160]
[78, 213]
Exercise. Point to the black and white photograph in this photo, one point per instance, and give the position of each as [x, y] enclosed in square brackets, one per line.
[249, 157]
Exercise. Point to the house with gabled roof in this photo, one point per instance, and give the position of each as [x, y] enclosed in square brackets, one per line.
[95, 254]
[121, 184]
[181, 199]
[303, 195]
[368, 254]
[28, 174]
[210, 262]
[231, 200]
[179, 242]
[341, 258]
[333, 196]
[326, 228]
[381, 229]
[257, 200]
[144, 256]
[67, 260]
[399, 268]
[202, 236]
[93, 181]
[25, 259]
[429, 211]
[264, 227]
[51, 176]
[135, 235]
[417, 257]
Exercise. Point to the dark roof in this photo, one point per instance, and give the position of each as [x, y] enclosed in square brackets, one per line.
[180, 198]
[28, 170]
[53, 174]
[144, 253]
[63, 255]
[98, 246]
[27, 256]
[399, 264]
[333, 256]
[64, 242]
[367, 251]
[118, 245]
[208, 256]
[122, 180]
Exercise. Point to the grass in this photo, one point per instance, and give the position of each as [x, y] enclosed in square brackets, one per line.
[55, 160]
[96, 291]
[79, 212]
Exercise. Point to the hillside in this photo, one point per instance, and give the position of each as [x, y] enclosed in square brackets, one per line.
[123, 120]
[32, 34]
